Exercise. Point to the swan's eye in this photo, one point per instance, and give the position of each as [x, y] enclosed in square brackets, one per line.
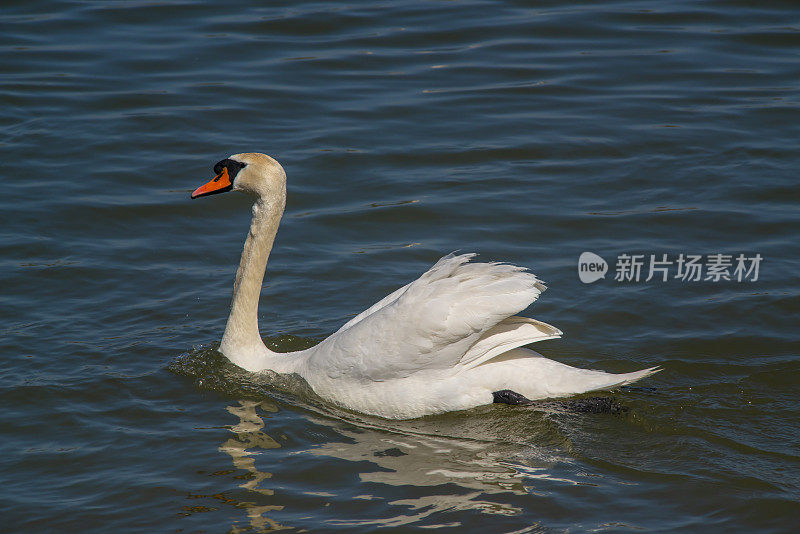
[232, 165]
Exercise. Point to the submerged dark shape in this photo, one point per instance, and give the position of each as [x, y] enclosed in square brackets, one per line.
[586, 405]
[593, 405]
[506, 396]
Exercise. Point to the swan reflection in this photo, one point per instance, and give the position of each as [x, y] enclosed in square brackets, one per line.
[433, 456]
[249, 434]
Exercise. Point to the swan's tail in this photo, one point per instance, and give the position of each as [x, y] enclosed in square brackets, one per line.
[586, 381]
[630, 378]
[530, 374]
[602, 380]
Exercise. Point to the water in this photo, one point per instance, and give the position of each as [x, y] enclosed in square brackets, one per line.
[527, 132]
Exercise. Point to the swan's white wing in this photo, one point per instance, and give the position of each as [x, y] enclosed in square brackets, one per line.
[429, 324]
[391, 297]
[506, 335]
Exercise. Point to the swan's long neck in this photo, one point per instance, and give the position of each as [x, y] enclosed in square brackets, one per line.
[242, 342]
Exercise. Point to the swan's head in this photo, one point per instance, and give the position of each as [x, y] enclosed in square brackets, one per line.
[254, 173]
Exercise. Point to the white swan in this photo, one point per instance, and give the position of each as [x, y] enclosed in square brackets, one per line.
[447, 341]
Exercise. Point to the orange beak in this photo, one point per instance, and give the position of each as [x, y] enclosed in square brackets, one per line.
[220, 184]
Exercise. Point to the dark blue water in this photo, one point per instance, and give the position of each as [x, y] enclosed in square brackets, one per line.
[527, 132]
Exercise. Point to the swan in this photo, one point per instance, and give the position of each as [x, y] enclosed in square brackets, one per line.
[447, 341]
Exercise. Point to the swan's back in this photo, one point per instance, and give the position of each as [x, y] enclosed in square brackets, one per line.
[429, 324]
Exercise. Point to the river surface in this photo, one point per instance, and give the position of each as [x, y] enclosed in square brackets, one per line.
[528, 132]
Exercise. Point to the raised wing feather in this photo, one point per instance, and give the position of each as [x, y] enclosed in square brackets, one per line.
[506, 335]
[388, 299]
[429, 324]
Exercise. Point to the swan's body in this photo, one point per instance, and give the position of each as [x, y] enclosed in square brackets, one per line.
[447, 341]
